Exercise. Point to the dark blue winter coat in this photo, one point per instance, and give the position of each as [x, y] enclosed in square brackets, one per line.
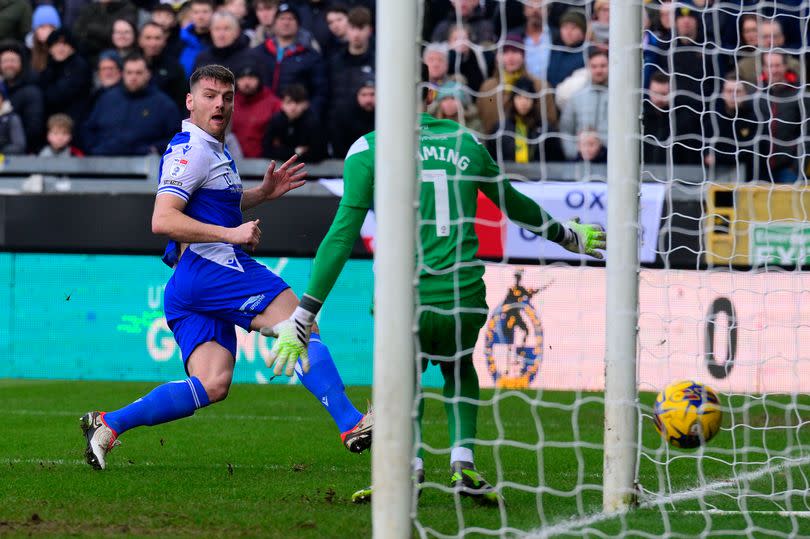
[125, 123]
[562, 63]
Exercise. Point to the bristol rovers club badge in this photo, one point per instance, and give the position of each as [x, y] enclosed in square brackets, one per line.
[513, 342]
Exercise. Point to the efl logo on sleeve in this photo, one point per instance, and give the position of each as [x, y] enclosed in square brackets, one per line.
[178, 167]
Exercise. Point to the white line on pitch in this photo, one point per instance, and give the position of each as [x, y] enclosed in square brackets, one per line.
[691, 494]
[797, 514]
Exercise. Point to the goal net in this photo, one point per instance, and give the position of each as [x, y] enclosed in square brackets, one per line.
[722, 238]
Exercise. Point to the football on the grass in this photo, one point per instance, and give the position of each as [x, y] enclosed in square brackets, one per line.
[687, 414]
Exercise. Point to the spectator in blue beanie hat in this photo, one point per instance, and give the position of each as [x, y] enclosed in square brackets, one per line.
[45, 14]
[44, 21]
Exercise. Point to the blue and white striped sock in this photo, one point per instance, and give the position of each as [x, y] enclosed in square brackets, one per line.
[167, 402]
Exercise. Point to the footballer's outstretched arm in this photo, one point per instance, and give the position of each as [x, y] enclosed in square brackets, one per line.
[276, 183]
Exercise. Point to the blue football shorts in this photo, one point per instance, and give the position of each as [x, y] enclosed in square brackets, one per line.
[204, 300]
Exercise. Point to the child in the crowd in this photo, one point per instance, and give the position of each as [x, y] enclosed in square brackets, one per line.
[294, 129]
[60, 135]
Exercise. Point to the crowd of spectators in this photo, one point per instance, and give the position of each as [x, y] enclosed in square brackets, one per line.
[721, 87]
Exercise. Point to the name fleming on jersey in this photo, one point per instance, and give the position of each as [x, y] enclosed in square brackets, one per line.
[448, 155]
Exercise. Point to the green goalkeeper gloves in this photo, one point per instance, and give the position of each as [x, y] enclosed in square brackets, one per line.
[584, 238]
[292, 338]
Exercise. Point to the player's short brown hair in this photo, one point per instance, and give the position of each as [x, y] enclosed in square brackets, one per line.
[213, 72]
[60, 121]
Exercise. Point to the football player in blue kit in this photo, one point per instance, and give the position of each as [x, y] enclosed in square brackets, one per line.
[216, 284]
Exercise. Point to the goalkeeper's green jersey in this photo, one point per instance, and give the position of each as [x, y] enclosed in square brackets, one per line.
[454, 167]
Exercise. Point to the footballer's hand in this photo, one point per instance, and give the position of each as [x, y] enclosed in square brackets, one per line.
[279, 181]
[291, 343]
[584, 238]
[247, 234]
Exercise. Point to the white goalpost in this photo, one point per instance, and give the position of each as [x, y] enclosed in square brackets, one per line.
[623, 192]
[395, 191]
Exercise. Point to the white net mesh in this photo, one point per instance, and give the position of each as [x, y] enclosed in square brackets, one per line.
[723, 298]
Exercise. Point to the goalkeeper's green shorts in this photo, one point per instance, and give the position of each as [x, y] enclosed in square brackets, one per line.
[446, 334]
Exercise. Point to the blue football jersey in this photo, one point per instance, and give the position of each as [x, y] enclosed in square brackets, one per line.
[198, 168]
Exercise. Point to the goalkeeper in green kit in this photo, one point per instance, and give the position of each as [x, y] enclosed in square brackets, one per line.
[452, 294]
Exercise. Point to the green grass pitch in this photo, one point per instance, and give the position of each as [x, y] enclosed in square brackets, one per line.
[268, 462]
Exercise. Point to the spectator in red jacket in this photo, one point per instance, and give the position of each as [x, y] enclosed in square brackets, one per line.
[254, 105]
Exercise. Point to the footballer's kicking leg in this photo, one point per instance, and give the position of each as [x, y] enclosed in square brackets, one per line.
[210, 368]
[322, 379]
